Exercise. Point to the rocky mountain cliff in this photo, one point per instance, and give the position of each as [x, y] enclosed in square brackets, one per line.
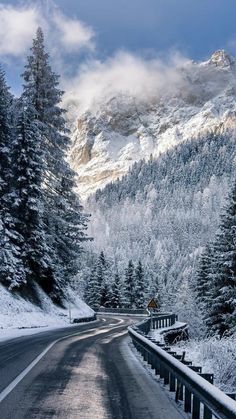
[122, 129]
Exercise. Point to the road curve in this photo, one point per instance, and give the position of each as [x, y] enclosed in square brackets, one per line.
[91, 375]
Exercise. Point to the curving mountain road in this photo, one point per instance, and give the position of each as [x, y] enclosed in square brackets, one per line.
[92, 374]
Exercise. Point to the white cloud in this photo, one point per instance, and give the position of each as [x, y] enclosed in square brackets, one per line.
[124, 73]
[17, 27]
[74, 34]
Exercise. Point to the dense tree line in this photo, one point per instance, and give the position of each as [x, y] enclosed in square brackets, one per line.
[42, 224]
[107, 288]
[164, 212]
[216, 277]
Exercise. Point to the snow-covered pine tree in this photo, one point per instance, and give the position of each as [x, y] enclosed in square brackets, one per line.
[203, 284]
[64, 219]
[221, 317]
[11, 268]
[92, 290]
[102, 260]
[139, 290]
[129, 286]
[116, 300]
[96, 289]
[28, 206]
[104, 280]
[106, 295]
[70, 224]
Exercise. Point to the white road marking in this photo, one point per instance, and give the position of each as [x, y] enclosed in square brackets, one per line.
[20, 377]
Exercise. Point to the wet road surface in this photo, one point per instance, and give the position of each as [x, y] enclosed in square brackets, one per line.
[91, 375]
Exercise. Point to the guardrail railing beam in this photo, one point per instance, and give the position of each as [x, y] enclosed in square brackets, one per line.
[186, 380]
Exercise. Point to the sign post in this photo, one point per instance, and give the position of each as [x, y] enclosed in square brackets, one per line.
[152, 305]
[70, 318]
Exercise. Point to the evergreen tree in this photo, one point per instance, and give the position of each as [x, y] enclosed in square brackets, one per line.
[102, 274]
[139, 286]
[11, 268]
[106, 295]
[96, 294]
[28, 206]
[64, 219]
[203, 285]
[129, 286]
[5, 137]
[116, 299]
[102, 260]
[92, 290]
[70, 224]
[221, 317]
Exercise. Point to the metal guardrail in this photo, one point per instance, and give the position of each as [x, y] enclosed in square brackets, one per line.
[140, 311]
[199, 395]
[85, 319]
[163, 320]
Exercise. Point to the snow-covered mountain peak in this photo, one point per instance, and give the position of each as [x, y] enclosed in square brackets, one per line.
[197, 99]
[222, 59]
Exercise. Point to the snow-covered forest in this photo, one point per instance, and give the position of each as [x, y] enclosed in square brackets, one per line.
[165, 213]
[42, 223]
[166, 229]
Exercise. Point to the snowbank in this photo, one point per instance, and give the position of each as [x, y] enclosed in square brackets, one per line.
[216, 356]
[158, 334]
[17, 313]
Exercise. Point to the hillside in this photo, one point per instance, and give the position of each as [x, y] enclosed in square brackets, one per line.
[18, 314]
[163, 212]
[119, 129]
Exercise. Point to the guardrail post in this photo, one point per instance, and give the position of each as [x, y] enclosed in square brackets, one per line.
[156, 364]
[152, 361]
[143, 353]
[179, 391]
[196, 408]
[187, 400]
[207, 414]
[166, 376]
[172, 382]
[162, 370]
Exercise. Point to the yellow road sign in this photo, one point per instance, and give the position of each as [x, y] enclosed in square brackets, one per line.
[152, 304]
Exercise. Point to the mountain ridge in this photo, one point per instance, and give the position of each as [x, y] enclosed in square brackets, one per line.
[122, 129]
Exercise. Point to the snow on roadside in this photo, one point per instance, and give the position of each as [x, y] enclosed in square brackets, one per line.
[216, 356]
[17, 313]
[140, 365]
[158, 334]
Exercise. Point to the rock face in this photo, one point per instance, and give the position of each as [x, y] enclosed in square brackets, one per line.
[120, 130]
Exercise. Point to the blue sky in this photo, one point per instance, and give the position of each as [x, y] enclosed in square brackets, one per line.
[195, 28]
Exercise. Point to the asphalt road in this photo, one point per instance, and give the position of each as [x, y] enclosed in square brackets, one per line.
[90, 375]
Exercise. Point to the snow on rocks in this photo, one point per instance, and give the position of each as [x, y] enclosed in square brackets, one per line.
[111, 136]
